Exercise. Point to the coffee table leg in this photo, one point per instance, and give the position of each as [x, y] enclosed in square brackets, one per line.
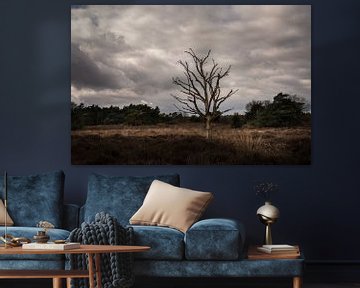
[68, 282]
[297, 282]
[98, 270]
[91, 270]
[57, 283]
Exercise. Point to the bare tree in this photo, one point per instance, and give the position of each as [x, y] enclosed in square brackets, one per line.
[200, 89]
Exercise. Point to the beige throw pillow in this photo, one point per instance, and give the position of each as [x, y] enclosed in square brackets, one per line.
[170, 206]
[9, 221]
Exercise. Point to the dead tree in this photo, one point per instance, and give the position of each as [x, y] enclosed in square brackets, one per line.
[200, 88]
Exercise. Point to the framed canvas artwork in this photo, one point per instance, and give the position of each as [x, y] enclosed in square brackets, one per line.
[191, 85]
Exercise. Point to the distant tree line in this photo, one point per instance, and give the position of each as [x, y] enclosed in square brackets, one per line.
[284, 111]
[133, 115]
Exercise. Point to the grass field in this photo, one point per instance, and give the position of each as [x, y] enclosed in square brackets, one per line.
[186, 144]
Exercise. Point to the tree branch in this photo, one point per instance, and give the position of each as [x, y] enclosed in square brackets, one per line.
[200, 89]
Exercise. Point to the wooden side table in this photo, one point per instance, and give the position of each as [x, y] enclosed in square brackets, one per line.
[254, 254]
[93, 251]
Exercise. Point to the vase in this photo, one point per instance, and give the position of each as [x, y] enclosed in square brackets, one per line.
[41, 237]
[268, 214]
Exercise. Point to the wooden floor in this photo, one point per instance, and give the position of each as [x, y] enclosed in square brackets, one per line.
[45, 283]
[339, 285]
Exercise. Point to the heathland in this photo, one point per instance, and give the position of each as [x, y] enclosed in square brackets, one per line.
[181, 144]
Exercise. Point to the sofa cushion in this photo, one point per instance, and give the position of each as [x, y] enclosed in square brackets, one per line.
[213, 269]
[9, 221]
[121, 197]
[165, 243]
[29, 232]
[35, 198]
[169, 206]
[39, 264]
[214, 239]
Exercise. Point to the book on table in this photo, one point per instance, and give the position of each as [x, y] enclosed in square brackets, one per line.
[255, 254]
[278, 249]
[51, 246]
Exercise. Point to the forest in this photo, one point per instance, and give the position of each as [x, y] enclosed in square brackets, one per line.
[284, 111]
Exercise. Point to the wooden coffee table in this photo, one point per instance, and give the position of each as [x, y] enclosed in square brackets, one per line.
[94, 267]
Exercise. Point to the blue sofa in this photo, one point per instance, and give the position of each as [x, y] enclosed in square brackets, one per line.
[210, 248]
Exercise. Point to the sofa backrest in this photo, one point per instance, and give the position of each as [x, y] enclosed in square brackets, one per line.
[70, 216]
[119, 196]
[35, 198]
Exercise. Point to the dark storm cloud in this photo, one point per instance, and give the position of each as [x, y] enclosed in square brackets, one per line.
[132, 51]
[86, 74]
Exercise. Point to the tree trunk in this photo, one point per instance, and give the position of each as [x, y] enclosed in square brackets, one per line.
[208, 127]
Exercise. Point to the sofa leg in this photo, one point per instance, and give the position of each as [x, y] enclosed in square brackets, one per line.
[297, 282]
[57, 283]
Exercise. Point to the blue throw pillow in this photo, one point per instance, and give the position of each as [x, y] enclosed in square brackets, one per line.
[35, 198]
[121, 197]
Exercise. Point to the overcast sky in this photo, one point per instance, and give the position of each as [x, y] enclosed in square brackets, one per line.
[128, 54]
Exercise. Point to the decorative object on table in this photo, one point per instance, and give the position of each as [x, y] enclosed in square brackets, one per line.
[11, 241]
[116, 268]
[59, 241]
[268, 213]
[45, 225]
[41, 236]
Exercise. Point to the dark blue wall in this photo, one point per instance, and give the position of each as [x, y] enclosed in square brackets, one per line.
[318, 202]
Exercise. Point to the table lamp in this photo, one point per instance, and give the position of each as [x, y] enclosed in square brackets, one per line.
[268, 214]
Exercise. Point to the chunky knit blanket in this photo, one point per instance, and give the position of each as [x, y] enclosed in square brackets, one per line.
[116, 268]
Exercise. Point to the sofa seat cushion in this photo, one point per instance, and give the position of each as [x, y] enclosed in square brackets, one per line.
[166, 243]
[212, 269]
[35, 198]
[119, 196]
[39, 264]
[29, 232]
[214, 239]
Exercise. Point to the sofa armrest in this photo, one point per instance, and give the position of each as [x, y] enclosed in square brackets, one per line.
[215, 239]
[71, 216]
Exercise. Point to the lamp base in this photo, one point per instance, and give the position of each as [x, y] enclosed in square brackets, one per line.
[268, 237]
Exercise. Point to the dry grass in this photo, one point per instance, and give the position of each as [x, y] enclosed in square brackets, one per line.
[186, 144]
